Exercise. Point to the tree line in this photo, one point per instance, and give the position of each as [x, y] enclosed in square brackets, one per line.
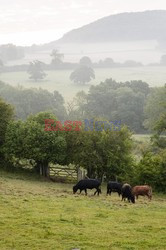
[133, 103]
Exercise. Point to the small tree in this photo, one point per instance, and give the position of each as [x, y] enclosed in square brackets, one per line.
[57, 58]
[36, 70]
[82, 75]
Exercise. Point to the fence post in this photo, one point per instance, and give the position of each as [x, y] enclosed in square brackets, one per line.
[79, 174]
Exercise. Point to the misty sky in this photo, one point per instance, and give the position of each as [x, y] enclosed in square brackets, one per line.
[25, 22]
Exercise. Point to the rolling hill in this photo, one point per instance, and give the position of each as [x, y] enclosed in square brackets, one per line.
[148, 25]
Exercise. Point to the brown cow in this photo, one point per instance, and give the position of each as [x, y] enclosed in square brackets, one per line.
[142, 190]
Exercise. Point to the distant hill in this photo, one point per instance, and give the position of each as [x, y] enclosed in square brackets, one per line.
[148, 25]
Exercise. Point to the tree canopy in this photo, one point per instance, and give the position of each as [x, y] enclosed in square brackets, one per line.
[29, 140]
[85, 61]
[36, 70]
[155, 107]
[82, 75]
[115, 101]
[103, 153]
[33, 100]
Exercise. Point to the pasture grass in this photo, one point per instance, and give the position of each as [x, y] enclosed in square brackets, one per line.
[37, 214]
[60, 79]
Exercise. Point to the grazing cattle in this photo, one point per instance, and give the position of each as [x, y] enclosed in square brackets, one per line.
[87, 184]
[114, 186]
[127, 193]
[142, 190]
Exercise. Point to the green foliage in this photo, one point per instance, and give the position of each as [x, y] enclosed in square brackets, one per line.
[105, 153]
[82, 75]
[32, 101]
[35, 70]
[152, 167]
[29, 140]
[6, 115]
[115, 101]
[155, 107]
[152, 170]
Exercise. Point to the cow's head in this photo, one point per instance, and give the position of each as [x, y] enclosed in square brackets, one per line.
[74, 189]
[132, 198]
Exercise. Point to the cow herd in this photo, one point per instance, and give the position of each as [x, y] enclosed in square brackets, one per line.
[125, 190]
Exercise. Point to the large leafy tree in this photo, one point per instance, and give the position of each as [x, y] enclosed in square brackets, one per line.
[36, 71]
[29, 140]
[82, 75]
[101, 153]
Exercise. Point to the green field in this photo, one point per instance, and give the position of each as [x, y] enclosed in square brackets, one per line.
[142, 137]
[59, 80]
[37, 214]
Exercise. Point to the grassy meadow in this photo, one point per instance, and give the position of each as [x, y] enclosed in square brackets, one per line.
[59, 79]
[37, 214]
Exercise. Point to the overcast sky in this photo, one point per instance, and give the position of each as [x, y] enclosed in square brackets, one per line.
[25, 22]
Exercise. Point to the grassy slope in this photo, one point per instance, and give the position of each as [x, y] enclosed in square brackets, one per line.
[59, 80]
[41, 215]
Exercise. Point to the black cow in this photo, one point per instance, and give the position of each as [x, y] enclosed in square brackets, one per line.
[127, 193]
[113, 186]
[87, 184]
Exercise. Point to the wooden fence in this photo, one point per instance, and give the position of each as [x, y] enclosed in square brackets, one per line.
[66, 174]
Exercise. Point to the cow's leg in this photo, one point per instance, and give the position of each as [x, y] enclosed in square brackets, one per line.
[137, 197]
[98, 191]
[108, 191]
[80, 191]
[85, 191]
[149, 197]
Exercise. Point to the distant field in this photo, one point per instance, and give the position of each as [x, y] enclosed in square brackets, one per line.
[59, 80]
[142, 137]
[35, 214]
